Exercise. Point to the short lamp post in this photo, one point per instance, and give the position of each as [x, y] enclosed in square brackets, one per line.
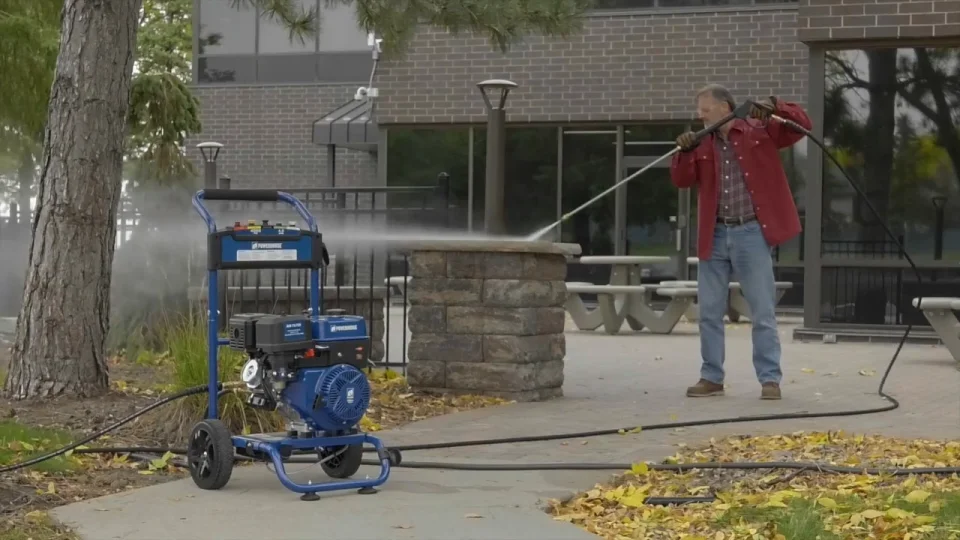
[210, 151]
[939, 204]
[494, 222]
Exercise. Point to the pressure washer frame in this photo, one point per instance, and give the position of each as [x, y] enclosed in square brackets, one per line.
[273, 445]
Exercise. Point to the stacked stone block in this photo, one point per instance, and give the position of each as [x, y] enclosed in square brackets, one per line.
[488, 319]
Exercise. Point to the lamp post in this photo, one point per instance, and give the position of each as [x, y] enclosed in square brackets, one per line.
[209, 151]
[493, 212]
[939, 202]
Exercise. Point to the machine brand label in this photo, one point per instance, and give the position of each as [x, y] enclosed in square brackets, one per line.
[293, 330]
[343, 327]
[350, 397]
[267, 245]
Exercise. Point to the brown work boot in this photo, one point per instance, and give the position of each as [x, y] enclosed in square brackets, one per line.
[770, 391]
[705, 388]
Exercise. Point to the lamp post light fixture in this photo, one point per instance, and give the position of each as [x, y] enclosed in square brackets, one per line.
[210, 151]
[493, 211]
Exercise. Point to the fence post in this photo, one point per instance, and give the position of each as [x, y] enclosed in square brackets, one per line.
[441, 199]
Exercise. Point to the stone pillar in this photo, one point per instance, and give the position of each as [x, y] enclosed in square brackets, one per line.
[487, 318]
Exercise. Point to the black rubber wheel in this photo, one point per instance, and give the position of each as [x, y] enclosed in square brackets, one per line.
[395, 457]
[210, 454]
[344, 465]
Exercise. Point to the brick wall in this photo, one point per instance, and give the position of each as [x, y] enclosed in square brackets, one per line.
[822, 20]
[633, 68]
[267, 136]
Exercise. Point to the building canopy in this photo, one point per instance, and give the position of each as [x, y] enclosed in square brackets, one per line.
[350, 125]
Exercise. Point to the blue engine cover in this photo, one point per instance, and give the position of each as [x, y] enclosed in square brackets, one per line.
[329, 399]
[339, 328]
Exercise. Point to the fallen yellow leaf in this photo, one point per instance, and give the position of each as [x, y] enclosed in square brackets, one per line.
[827, 502]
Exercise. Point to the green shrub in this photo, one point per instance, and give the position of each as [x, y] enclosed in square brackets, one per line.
[185, 340]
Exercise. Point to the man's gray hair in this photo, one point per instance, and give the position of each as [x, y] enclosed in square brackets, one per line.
[719, 93]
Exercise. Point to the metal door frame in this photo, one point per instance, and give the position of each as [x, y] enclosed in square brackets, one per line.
[682, 219]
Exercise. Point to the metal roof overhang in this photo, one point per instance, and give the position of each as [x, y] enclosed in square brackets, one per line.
[350, 125]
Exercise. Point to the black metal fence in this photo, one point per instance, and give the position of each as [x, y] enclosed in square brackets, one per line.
[366, 276]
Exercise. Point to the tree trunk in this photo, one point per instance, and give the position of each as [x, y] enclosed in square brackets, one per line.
[62, 327]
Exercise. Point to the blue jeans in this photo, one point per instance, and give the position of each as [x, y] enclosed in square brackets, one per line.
[740, 253]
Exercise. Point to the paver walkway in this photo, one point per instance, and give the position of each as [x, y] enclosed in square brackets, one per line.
[611, 381]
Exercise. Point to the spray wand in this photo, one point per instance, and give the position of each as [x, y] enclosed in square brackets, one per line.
[740, 112]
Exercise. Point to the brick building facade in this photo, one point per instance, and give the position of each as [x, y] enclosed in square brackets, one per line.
[637, 63]
[623, 67]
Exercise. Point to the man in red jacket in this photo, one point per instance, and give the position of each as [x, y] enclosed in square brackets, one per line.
[745, 209]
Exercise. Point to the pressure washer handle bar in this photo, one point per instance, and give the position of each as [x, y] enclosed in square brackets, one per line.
[261, 195]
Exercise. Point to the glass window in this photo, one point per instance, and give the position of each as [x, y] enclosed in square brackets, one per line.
[344, 67]
[666, 4]
[227, 69]
[287, 68]
[589, 167]
[890, 118]
[416, 157]
[275, 38]
[623, 4]
[530, 178]
[698, 3]
[225, 29]
[652, 197]
[339, 30]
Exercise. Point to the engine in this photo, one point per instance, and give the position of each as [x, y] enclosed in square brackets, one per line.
[309, 369]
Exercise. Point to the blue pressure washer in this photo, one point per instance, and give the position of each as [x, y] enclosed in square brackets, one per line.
[309, 367]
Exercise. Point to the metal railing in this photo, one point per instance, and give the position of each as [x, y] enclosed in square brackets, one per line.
[368, 279]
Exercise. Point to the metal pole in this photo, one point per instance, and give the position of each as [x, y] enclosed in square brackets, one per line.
[493, 214]
[620, 198]
[470, 180]
[559, 234]
[683, 235]
[493, 211]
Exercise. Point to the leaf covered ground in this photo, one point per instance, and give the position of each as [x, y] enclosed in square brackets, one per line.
[781, 504]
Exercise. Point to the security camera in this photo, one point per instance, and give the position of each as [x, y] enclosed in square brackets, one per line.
[361, 94]
[374, 43]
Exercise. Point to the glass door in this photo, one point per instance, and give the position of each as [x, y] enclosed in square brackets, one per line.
[657, 214]
[588, 168]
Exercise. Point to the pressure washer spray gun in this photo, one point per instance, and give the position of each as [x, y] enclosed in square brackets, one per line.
[740, 112]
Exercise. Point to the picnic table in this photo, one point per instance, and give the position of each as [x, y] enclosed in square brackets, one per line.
[626, 298]
[737, 305]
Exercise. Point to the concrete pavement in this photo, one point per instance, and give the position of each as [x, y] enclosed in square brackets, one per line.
[611, 381]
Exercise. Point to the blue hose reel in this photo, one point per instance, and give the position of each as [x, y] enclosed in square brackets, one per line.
[308, 367]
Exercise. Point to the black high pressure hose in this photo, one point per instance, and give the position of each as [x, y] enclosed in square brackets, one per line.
[802, 466]
[96, 435]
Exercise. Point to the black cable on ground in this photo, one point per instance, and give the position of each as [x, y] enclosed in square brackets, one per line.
[893, 404]
[683, 467]
[96, 435]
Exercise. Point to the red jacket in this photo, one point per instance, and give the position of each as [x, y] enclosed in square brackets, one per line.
[758, 147]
